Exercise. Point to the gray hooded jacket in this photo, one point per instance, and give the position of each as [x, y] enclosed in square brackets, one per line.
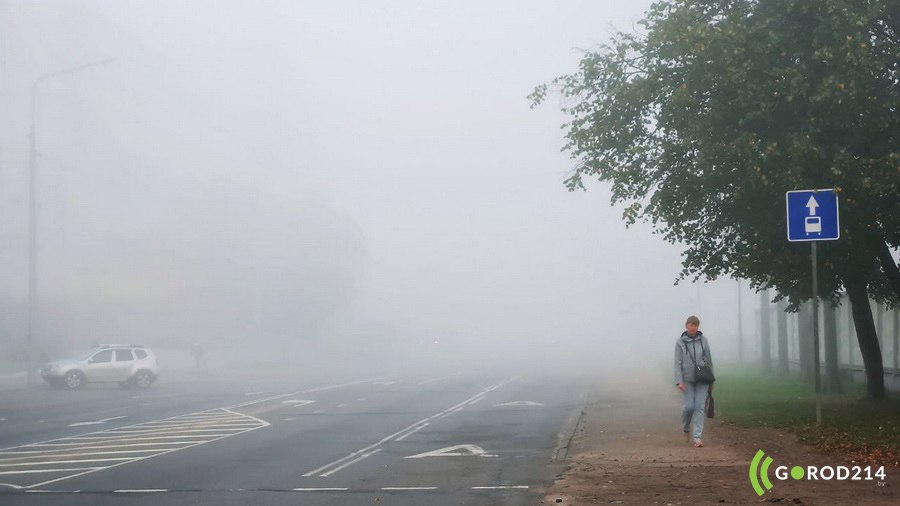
[686, 349]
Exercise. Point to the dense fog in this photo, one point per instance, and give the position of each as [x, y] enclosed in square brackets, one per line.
[357, 184]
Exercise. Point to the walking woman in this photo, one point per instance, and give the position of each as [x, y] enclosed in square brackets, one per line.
[693, 376]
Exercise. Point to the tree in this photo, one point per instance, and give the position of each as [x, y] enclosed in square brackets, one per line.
[704, 121]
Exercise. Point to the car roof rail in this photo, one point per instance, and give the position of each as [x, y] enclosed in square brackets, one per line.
[118, 346]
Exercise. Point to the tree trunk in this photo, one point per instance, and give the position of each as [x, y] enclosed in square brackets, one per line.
[784, 367]
[764, 331]
[865, 334]
[832, 384]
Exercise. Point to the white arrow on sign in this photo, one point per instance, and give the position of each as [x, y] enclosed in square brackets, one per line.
[454, 451]
[520, 403]
[812, 204]
[96, 422]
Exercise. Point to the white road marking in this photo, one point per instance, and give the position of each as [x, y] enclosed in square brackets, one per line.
[290, 419]
[69, 446]
[402, 431]
[216, 428]
[520, 487]
[42, 453]
[520, 403]
[476, 401]
[408, 488]
[341, 406]
[135, 442]
[386, 383]
[331, 387]
[115, 439]
[153, 396]
[454, 451]
[66, 470]
[254, 393]
[413, 431]
[439, 379]
[460, 408]
[297, 403]
[141, 491]
[347, 464]
[180, 432]
[321, 489]
[39, 463]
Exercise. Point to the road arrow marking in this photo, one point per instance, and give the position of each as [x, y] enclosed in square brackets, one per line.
[812, 204]
[520, 403]
[104, 420]
[454, 451]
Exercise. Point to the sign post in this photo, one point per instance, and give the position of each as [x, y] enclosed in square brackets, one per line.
[812, 215]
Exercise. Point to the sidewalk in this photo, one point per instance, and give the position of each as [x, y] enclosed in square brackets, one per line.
[629, 449]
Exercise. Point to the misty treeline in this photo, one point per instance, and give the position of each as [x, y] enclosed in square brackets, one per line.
[786, 339]
[211, 262]
[706, 117]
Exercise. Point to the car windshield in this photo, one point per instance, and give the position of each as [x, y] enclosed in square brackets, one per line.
[87, 355]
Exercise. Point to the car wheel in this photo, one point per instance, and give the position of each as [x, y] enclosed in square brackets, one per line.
[73, 380]
[142, 379]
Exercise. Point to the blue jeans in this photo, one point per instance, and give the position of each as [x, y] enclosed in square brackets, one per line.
[694, 407]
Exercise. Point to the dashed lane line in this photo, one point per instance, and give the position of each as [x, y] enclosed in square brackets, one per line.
[349, 463]
[417, 429]
[502, 487]
[409, 488]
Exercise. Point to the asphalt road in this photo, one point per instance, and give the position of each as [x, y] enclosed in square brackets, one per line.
[443, 437]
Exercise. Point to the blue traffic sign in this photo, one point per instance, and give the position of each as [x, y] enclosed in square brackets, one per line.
[812, 215]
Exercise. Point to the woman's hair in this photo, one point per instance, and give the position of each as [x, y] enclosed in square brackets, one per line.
[692, 319]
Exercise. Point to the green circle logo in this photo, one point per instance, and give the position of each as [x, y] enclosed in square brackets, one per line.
[797, 473]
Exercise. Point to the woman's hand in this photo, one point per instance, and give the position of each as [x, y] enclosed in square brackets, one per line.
[681, 387]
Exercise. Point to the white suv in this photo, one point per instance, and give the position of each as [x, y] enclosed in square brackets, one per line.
[125, 364]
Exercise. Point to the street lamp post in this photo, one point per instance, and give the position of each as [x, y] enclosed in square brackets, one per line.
[32, 207]
[740, 324]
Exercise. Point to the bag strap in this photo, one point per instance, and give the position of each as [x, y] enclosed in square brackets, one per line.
[694, 355]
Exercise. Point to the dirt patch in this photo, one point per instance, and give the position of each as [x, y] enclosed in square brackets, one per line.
[629, 449]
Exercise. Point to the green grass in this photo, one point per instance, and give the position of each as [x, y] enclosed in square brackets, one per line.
[851, 426]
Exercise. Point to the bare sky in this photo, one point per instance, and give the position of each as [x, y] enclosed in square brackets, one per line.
[378, 158]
